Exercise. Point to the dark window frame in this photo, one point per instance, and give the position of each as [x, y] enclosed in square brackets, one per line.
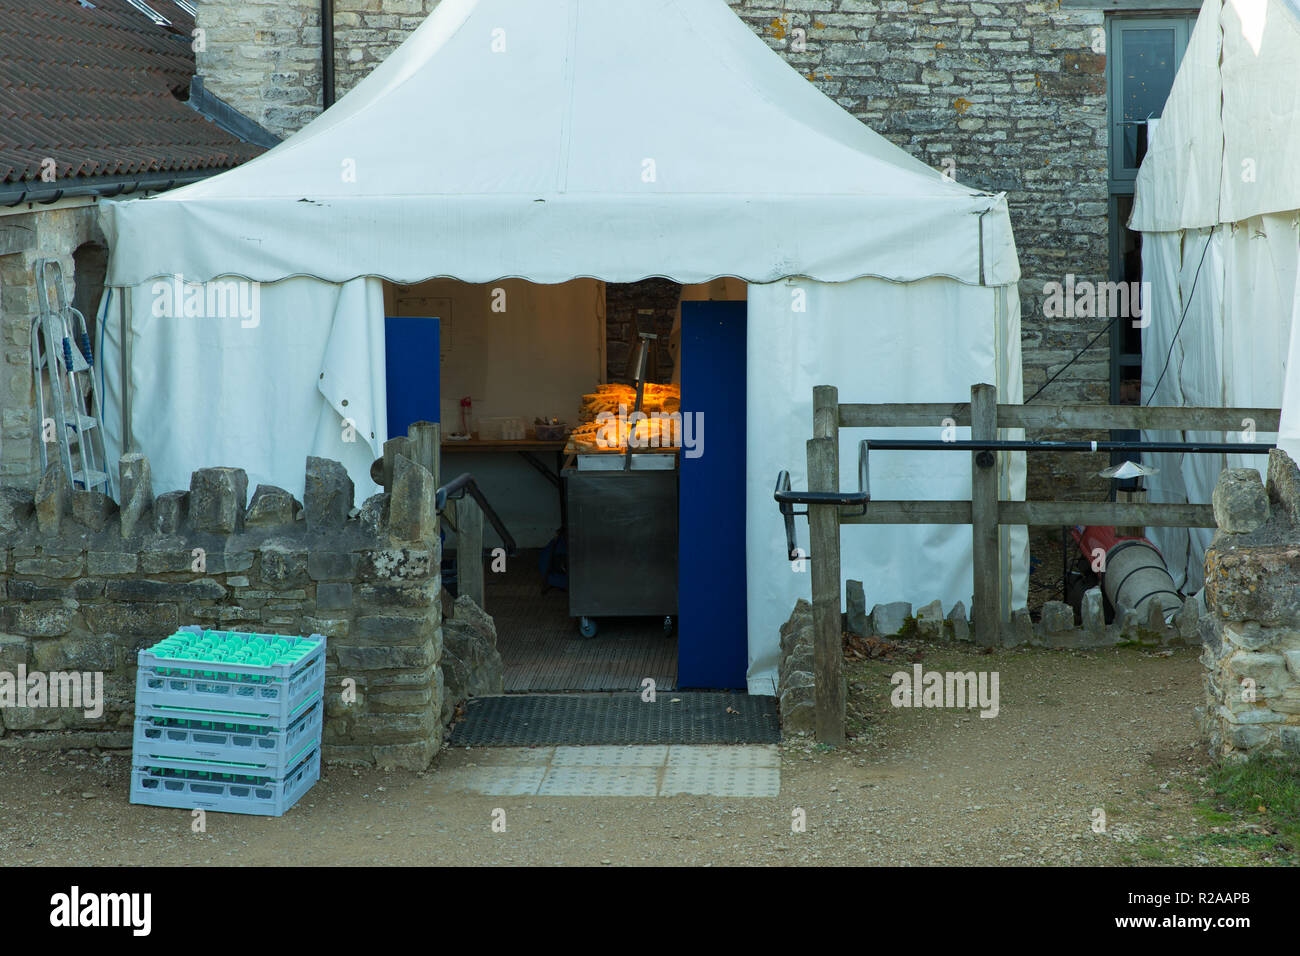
[1138, 15]
[1134, 6]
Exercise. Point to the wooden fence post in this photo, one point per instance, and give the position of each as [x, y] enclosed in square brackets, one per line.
[984, 517]
[824, 547]
[425, 446]
[469, 550]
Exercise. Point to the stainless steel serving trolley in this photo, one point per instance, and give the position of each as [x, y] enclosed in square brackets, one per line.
[622, 527]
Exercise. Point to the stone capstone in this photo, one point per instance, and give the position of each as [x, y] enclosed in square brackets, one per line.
[217, 497]
[412, 507]
[1094, 614]
[52, 498]
[888, 619]
[135, 484]
[271, 507]
[1240, 501]
[170, 512]
[856, 603]
[795, 682]
[929, 621]
[327, 498]
[958, 623]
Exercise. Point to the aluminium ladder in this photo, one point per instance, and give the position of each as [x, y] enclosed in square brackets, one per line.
[65, 369]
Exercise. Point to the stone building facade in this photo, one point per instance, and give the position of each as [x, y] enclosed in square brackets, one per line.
[1007, 96]
[106, 110]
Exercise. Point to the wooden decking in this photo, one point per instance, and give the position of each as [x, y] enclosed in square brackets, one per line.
[542, 650]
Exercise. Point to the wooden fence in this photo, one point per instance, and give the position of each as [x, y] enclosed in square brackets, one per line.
[985, 512]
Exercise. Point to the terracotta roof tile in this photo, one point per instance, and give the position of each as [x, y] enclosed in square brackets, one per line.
[98, 90]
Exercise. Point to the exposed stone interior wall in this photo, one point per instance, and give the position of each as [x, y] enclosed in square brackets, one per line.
[84, 585]
[650, 306]
[25, 238]
[1252, 633]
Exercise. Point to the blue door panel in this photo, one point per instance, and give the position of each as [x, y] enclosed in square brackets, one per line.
[411, 356]
[712, 642]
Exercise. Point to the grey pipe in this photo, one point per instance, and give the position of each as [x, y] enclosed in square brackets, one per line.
[1136, 576]
[327, 51]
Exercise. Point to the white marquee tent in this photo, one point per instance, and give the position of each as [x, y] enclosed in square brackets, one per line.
[615, 139]
[1218, 206]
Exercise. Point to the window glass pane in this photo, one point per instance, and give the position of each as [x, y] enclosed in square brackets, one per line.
[1148, 64]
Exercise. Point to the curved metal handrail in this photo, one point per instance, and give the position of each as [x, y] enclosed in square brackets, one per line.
[464, 484]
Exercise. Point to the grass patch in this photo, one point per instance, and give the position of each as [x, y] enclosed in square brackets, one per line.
[1254, 807]
[1152, 853]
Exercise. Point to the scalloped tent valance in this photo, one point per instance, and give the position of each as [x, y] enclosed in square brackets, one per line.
[564, 138]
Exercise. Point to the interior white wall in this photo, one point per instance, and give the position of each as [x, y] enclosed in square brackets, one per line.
[535, 358]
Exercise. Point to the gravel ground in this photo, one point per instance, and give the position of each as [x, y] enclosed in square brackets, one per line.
[1077, 731]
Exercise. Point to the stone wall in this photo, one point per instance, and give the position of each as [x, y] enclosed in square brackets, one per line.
[1252, 633]
[84, 585]
[795, 687]
[1055, 627]
[25, 238]
[372, 30]
[263, 56]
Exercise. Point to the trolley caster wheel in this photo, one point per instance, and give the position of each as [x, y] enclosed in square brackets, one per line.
[669, 624]
[587, 627]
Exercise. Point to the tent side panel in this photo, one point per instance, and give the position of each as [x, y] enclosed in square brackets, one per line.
[877, 341]
[259, 391]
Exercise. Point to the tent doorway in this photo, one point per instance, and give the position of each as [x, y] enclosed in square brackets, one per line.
[507, 361]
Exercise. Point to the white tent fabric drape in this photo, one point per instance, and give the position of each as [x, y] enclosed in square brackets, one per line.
[1218, 205]
[922, 342]
[1182, 292]
[1235, 293]
[304, 376]
[555, 140]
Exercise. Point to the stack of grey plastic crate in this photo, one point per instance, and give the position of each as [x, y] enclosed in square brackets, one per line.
[228, 721]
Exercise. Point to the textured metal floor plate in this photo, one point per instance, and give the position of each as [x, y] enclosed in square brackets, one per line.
[637, 770]
[677, 717]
